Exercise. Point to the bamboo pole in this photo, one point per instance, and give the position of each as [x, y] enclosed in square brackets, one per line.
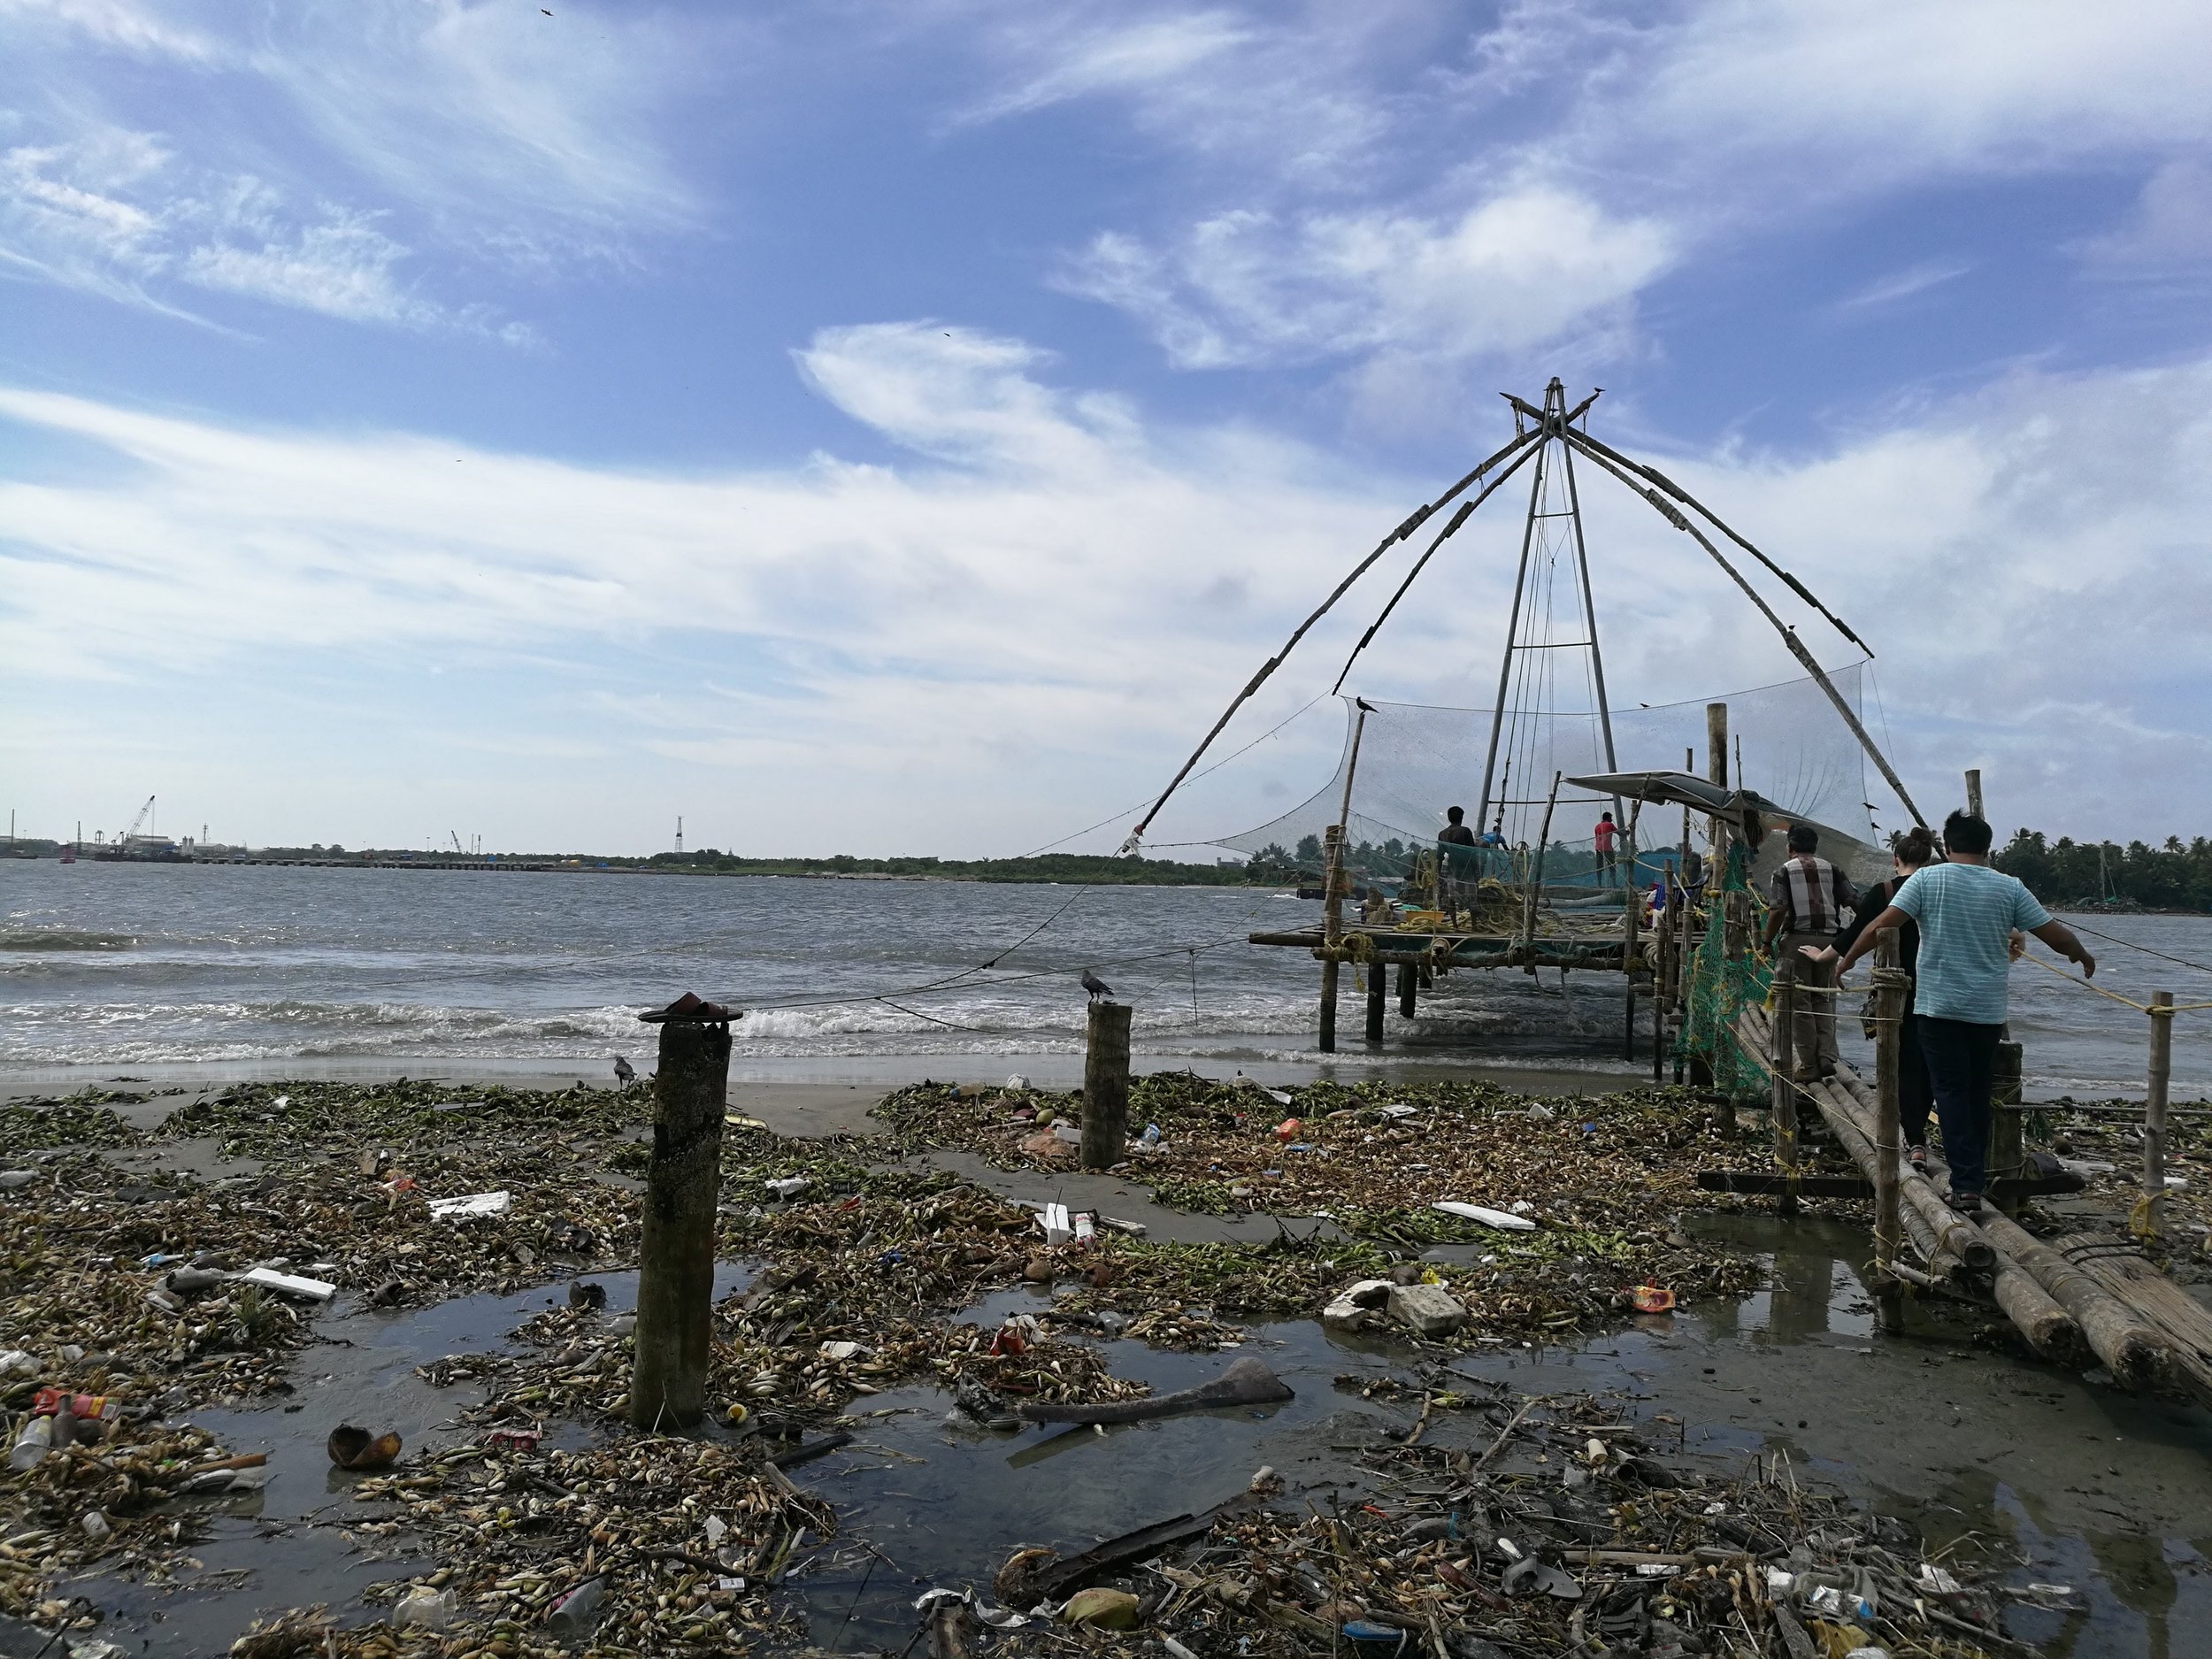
[1409, 989]
[1662, 983]
[1536, 873]
[1797, 649]
[1889, 1012]
[1782, 1091]
[2131, 1349]
[2156, 1078]
[1377, 990]
[1333, 928]
[1974, 792]
[1521, 441]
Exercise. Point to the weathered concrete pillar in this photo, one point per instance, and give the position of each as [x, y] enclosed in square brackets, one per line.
[1106, 1087]
[675, 1287]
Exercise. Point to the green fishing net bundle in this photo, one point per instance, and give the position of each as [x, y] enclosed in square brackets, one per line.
[1720, 988]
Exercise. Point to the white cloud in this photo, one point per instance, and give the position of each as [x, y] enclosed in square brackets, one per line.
[1030, 629]
[1522, 268]
[117, 212]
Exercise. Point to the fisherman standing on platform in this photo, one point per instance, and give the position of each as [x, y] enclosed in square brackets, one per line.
[1809, 898]
[1455, 864]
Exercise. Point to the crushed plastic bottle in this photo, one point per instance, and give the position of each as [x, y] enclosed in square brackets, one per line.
[33, 1445]
[424, 1608]
[575, 1613]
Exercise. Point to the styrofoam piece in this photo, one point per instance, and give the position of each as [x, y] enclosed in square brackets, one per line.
[289, 1283]
[473, 1204]
[1504, 1220]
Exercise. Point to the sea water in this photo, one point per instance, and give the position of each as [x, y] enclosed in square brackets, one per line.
[136, 967]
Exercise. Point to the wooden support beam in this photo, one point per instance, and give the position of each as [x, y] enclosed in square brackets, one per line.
[1409, 989]
[2156, 1079]
[1376, 997]
[683, 1184]
[1106, 1086]
[1782, 1094]
[2130, 1350]
[1890, 983]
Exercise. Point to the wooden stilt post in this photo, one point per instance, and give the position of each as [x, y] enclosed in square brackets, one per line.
[2155, 1079]
[1974, 792]
[1106, 1086]
[1332, 928]
[1662, 983]
[2005, 1157]
[1376, 996]
[1409, 989]
[683, 1183]
[1889, 1013]
[1783, 1096]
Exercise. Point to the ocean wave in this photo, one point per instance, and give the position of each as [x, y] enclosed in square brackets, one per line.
[43, 938]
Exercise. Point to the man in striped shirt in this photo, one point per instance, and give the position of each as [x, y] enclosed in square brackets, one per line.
[1807, 899]
[1966, 912]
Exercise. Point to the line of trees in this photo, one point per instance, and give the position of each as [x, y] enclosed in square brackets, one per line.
[2177, 876]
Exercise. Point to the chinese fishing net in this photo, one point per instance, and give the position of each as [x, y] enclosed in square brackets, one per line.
[1415, 760]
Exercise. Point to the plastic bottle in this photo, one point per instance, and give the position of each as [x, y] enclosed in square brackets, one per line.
[424, 1608]
[575, 1613]
[1152, 1134]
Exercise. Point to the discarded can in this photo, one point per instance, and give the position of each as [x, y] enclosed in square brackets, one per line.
[512, 1441]
[1288, 1131]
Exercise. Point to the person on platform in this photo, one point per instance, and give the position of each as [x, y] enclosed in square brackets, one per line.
[1805, 903]
[1966, 913]
[1602, 839]
[1910, 853]
[1454, 862]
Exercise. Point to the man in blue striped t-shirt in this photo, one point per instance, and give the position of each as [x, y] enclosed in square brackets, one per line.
[1966, 912]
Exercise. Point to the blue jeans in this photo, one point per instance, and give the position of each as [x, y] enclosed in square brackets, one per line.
[1961, 1055]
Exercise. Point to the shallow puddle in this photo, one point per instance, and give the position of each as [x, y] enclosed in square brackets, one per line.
[2109, 1494]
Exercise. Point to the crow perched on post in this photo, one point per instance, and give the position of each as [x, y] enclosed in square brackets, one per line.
[624, 1073]
[1095, 985]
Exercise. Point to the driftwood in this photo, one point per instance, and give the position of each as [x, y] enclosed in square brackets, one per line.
[1246, 1383]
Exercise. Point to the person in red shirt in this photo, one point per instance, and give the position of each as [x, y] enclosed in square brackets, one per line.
[1603, 837]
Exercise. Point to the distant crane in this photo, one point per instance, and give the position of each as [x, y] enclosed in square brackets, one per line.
[458, 852]
[143, 813]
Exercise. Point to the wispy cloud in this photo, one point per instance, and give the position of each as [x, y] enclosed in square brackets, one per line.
[117, 212]
[2167, 234]
[1902, 285]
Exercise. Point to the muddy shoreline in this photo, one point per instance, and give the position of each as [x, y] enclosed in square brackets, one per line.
[1946, 1429]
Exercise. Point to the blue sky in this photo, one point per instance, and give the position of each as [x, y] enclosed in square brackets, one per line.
[901, 428]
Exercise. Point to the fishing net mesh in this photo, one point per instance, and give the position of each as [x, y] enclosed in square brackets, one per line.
[1414, 760]
[1720, 987]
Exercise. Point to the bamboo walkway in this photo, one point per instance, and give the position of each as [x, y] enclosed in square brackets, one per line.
[2074, 1297]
